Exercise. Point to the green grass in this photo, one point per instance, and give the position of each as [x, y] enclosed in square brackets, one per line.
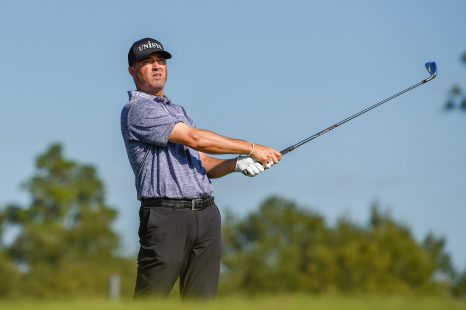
[282, 302]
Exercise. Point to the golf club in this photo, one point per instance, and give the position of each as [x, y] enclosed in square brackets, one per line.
[431, 68]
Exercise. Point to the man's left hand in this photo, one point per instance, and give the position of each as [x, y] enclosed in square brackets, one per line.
[248, 166]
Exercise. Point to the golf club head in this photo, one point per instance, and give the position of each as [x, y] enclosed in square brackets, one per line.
[432, 69]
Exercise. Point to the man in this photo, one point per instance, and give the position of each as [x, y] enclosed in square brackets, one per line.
[179, 227]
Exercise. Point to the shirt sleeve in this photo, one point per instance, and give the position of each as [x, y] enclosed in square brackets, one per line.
[190, 120]
[149, 122]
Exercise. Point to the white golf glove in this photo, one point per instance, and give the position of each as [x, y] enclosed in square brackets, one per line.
[248, 166]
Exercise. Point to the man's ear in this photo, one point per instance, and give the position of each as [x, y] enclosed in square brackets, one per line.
[131, 71]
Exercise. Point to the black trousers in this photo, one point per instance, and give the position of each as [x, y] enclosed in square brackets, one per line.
[178, 242]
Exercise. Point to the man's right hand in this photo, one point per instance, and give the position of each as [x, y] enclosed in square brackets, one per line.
[265, 155]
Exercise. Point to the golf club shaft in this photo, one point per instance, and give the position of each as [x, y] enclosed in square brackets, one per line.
[320, 133]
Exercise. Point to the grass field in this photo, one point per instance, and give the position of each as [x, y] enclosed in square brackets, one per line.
[286, 302]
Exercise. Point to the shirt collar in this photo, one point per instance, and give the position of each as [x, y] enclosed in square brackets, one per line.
[137, 93]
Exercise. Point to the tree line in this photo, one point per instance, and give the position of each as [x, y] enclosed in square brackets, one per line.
[456, 98]
[61, 244]
[284, 247]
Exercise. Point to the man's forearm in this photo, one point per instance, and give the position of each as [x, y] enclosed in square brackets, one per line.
[207, 141]
[217, 168]
[210, 142]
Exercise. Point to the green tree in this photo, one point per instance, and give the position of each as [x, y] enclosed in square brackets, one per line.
[9, 277]
[65, 245]
[401, 262]
[271, 250]
[286, 248]
[436, 249]
[456, 95]
[459, 286]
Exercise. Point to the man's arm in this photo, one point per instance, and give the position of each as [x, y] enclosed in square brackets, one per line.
[212, 143]
[217, 168]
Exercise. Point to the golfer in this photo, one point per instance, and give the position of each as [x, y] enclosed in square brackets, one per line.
[179, 228]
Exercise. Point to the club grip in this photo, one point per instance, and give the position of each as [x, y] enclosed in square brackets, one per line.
[287, 150]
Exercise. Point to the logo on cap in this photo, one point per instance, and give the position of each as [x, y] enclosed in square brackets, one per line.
[149, 44]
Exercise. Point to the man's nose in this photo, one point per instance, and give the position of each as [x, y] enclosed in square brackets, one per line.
[158, 64]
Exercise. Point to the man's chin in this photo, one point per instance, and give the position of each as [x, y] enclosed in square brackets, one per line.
[152, 89]
[158, 85]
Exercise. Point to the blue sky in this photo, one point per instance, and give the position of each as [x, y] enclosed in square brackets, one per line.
[272, 72]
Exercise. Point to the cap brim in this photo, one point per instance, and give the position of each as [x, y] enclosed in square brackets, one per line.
[163, 54]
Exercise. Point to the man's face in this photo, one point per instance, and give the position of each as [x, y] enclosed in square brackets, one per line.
[150, 75]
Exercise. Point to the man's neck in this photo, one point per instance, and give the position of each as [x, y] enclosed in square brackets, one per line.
[154, 93]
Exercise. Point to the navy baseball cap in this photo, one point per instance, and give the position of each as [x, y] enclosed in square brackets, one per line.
[141, 49]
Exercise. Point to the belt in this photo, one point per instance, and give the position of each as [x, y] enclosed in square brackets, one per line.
[193, 204]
